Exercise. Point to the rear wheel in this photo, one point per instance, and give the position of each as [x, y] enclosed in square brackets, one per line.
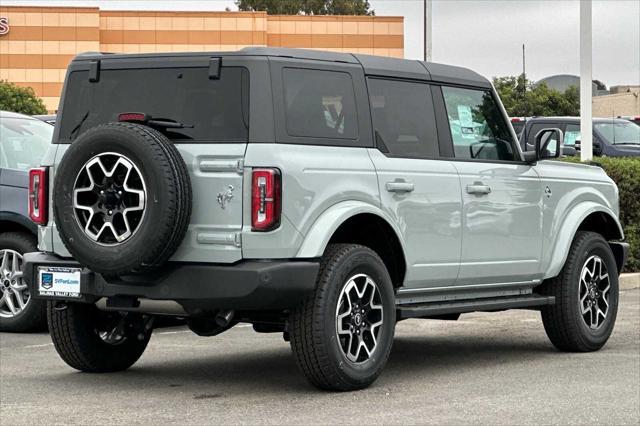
[19, 312]
[91, 340]
[342, 334]
[586, 293]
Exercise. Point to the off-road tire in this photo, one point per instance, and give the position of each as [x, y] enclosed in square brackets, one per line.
[33, 317]
[562, 321]
[312, 324]
[168, 206]
[73, 332]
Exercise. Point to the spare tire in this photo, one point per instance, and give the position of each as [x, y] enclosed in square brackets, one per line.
[122, 199]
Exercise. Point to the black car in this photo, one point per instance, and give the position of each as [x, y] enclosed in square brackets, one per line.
[612, 137]
[24, 141]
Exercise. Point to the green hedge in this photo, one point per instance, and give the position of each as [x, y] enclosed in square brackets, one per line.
[625, 171]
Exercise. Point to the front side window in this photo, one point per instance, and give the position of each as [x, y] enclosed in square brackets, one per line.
[212, 110]
[403, 118]
[320, 104]
[478, 128]
[23, 142]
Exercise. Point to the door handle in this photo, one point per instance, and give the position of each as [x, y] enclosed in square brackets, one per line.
[478, 188]
[399, 186]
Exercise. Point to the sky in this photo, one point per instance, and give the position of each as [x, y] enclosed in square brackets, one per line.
[484, 35]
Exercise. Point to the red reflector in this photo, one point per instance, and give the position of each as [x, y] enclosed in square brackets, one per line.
[515, 120]
[38, 182]
[265, 199]
[133, 116]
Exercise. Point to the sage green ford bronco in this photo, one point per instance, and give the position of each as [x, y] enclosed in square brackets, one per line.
[324, 196]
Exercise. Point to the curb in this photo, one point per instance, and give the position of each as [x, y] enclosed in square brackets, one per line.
[630, 281]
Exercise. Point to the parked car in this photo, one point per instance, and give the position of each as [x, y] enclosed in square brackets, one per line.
[320, 195]
[47, 118]
[632, 118]
[23, 142]
[612, 137]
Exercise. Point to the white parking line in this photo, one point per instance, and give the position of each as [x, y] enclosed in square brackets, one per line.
[35, 346]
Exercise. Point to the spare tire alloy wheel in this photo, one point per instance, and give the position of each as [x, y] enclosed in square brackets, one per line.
[109, 198]
[594, 292]
[122, 199]
[15, 295]
[359, 315]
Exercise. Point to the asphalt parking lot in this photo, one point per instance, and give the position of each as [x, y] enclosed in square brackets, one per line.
[485, 368]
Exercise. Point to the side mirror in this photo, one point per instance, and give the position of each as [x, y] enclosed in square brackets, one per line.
[549, 143]
[569, 151]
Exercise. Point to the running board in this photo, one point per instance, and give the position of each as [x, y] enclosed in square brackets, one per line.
[418, 310]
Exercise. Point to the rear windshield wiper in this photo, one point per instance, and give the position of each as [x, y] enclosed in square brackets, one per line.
[78, 126]
[167, 123]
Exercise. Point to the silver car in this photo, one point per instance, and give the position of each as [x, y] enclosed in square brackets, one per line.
[23, 142]
[324, 196]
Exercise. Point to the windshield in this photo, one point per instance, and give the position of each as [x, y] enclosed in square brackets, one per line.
[23, 142]
[619, 132]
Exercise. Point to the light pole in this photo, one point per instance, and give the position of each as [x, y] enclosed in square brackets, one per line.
[428, 32]
[586, 123]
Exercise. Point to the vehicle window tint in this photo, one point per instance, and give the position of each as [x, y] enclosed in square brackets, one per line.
[23, 142]
[619, 132]
[212, 110]
[320, 104]
[478, 128]
[403, 117]
[571, 134]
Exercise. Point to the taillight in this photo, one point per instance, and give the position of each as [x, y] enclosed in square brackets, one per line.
[265, 199]
[133, 116]
[38, 179]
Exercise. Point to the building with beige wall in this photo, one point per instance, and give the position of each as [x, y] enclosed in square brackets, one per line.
[41, 41]
[618, 104]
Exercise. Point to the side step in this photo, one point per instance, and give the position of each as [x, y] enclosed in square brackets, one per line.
[418, 310]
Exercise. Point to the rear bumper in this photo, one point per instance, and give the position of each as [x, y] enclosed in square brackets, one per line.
[247, 285]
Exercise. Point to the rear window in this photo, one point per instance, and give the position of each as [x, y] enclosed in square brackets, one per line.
[404, 118]
[320, 104]
[212, 110]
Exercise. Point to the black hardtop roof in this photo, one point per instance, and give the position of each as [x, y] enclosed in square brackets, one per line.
[373, 65]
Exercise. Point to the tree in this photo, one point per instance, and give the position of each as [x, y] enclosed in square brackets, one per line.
[307, 7]
[20, 99]
[522, 99]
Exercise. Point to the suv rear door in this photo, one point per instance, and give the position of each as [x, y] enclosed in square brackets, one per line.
[215, 111]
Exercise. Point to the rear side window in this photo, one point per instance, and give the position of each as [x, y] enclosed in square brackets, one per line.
[478, 128]
[212, 110]
[319, 104]
[403, 118]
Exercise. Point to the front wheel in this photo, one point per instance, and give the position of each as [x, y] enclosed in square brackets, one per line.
[91, 340]
[586, 293]
[342, 334]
